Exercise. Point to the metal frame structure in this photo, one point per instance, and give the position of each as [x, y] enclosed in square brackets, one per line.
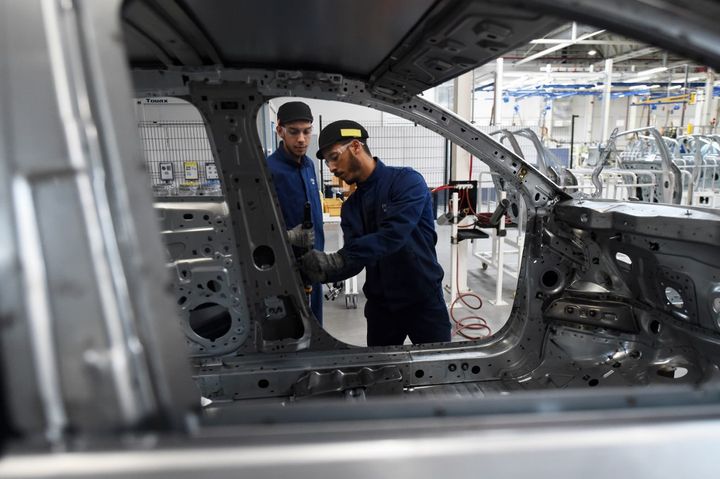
[655, 168]
[233, 139]
[594, 289]
[92, 355]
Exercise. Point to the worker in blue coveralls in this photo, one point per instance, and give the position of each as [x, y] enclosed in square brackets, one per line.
[389, 229]
[293, 173]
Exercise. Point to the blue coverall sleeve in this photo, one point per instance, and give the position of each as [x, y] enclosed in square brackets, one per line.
[407, 198]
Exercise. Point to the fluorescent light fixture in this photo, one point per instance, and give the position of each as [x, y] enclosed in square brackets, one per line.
[675, 87]
[557, 47]
[653, 87]
[592, 53]
[642, 77]
[638, 87]
[652, 71]
[517, 82]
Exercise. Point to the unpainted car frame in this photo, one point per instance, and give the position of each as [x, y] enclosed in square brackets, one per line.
[582, 316]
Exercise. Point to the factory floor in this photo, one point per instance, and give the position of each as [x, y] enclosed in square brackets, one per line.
[348, 324]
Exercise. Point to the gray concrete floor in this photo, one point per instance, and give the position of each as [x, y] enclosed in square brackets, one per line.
[348, 325]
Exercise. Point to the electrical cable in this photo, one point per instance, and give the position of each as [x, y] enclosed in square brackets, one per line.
[470, 206]
[467, 192]
[441, 188]
[466, 196]
[463, 326]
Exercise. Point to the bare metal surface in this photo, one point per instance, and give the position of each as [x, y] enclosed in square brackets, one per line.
[80, 131]
[580, 317]
[611, 295]
[315, 382]
[85, 326]
[39, 315]
[199, 243]
[670, 177]
[415, 44]
[555, 443]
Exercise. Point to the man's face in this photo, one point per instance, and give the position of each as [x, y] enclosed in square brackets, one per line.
[296, 137]
[343, 163]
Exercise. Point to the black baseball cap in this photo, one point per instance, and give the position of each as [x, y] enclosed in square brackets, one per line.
[338, 131]
[294, 111]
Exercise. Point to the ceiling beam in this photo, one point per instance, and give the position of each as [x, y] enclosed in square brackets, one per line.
[635, 54]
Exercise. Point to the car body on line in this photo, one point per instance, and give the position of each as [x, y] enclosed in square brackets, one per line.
[597, 357]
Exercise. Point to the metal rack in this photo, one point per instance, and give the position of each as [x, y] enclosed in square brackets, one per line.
[659, 159]
[502, 245]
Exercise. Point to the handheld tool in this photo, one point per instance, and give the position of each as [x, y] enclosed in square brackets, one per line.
[307, 224]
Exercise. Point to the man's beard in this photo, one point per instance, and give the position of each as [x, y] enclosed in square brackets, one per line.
[353, 169]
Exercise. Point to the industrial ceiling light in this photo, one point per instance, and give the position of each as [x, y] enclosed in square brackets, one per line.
[651, 72]
[592, 53]
[557, 47]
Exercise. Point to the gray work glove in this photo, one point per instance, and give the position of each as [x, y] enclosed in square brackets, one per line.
[317, 266]
[302, 237]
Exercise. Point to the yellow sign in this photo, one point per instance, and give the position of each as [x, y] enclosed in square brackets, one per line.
[350, 132]
[191, 170]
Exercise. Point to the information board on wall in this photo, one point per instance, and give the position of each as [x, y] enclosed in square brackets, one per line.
[166, 172]
[211, 172]
[191, 170]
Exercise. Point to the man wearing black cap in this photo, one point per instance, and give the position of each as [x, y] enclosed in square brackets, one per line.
[389, 229]
[293, 173]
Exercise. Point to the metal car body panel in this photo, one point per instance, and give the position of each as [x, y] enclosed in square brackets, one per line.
[93, 358]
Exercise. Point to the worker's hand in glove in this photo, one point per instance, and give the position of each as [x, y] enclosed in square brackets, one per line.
[302, 237]
[317, 266]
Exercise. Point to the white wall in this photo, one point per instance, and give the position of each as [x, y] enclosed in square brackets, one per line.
[394, 140]
[530, 113]
[169, 109]
[330, 111]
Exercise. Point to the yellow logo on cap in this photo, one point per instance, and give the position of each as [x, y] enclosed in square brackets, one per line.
[350, 132]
